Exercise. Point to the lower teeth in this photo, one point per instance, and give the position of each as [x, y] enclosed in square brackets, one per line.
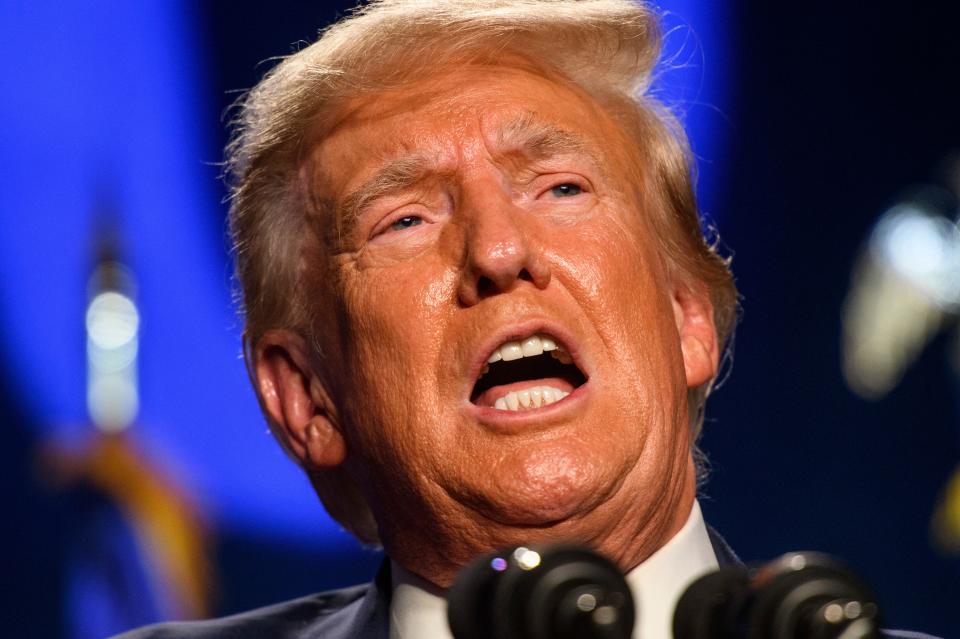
[530, 398]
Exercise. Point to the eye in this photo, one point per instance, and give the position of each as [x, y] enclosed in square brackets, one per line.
[406, 222]
[567, 189]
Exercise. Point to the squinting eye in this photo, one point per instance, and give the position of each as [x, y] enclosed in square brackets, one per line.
[566, 190]
[405, 223]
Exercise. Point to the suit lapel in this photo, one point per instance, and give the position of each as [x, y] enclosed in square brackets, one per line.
[373, 617]
[725, 554]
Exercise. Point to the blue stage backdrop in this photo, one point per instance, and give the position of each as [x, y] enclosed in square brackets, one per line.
[112, 126]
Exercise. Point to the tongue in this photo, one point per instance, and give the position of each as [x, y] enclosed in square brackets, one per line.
[491, 395]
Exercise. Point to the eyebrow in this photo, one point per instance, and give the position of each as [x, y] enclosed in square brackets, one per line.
[531, 138]
[524, 136]
[396, 175]
[527, 135]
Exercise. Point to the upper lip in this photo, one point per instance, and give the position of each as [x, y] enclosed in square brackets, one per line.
[519, 331]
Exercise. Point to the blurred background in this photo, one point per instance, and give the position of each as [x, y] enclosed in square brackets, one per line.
[140, 483]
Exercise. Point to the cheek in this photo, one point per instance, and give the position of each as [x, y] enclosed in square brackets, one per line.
[611, 267]
[392, 332]
[397, 307]
[615, 273]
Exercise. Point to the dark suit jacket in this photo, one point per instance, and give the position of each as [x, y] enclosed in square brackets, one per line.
[360, 612]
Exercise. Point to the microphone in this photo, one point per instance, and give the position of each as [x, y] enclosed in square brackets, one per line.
[801, 595]
[558, 591]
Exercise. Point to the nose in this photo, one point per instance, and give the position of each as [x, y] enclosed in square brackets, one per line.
[500, 250]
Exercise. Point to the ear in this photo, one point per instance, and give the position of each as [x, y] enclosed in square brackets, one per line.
[295, 400]
[693, 312]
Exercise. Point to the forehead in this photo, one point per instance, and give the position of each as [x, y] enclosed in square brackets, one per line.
[458, 115]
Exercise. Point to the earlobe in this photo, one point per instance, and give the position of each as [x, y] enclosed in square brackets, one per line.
[698, 334]
[294, 400]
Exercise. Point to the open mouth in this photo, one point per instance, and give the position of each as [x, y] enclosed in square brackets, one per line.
[527, 374]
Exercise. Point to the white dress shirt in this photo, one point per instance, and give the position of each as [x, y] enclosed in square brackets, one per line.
[418, 609]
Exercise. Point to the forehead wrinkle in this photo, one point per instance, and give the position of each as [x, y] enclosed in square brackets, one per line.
[525, 135]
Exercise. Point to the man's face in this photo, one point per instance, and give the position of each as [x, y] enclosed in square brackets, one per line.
[476, 209]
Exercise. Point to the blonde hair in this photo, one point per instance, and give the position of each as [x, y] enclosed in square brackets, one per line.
[607, 47]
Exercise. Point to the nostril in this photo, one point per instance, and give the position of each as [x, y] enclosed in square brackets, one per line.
[486, 287]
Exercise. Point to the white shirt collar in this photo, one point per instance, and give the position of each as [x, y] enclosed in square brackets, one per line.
[658, 582]
[419, 611]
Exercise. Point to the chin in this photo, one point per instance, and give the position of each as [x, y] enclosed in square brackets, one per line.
[543, 487]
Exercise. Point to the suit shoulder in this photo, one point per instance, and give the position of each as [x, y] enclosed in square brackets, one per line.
[286, 620]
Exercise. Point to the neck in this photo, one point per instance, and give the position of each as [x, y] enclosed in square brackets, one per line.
[626, 534]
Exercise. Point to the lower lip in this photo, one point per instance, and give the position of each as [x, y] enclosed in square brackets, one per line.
[511, 421]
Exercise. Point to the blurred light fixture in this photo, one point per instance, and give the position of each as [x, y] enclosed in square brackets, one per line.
[905, 288]
[113, 324]
[922, 247]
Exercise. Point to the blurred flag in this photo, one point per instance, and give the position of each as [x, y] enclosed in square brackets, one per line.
[946, 519]
[139, 551]
[139, 543]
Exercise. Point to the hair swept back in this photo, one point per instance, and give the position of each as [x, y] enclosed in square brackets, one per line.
[607, 47]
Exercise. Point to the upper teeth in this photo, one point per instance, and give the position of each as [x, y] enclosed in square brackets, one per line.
[529, 347]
